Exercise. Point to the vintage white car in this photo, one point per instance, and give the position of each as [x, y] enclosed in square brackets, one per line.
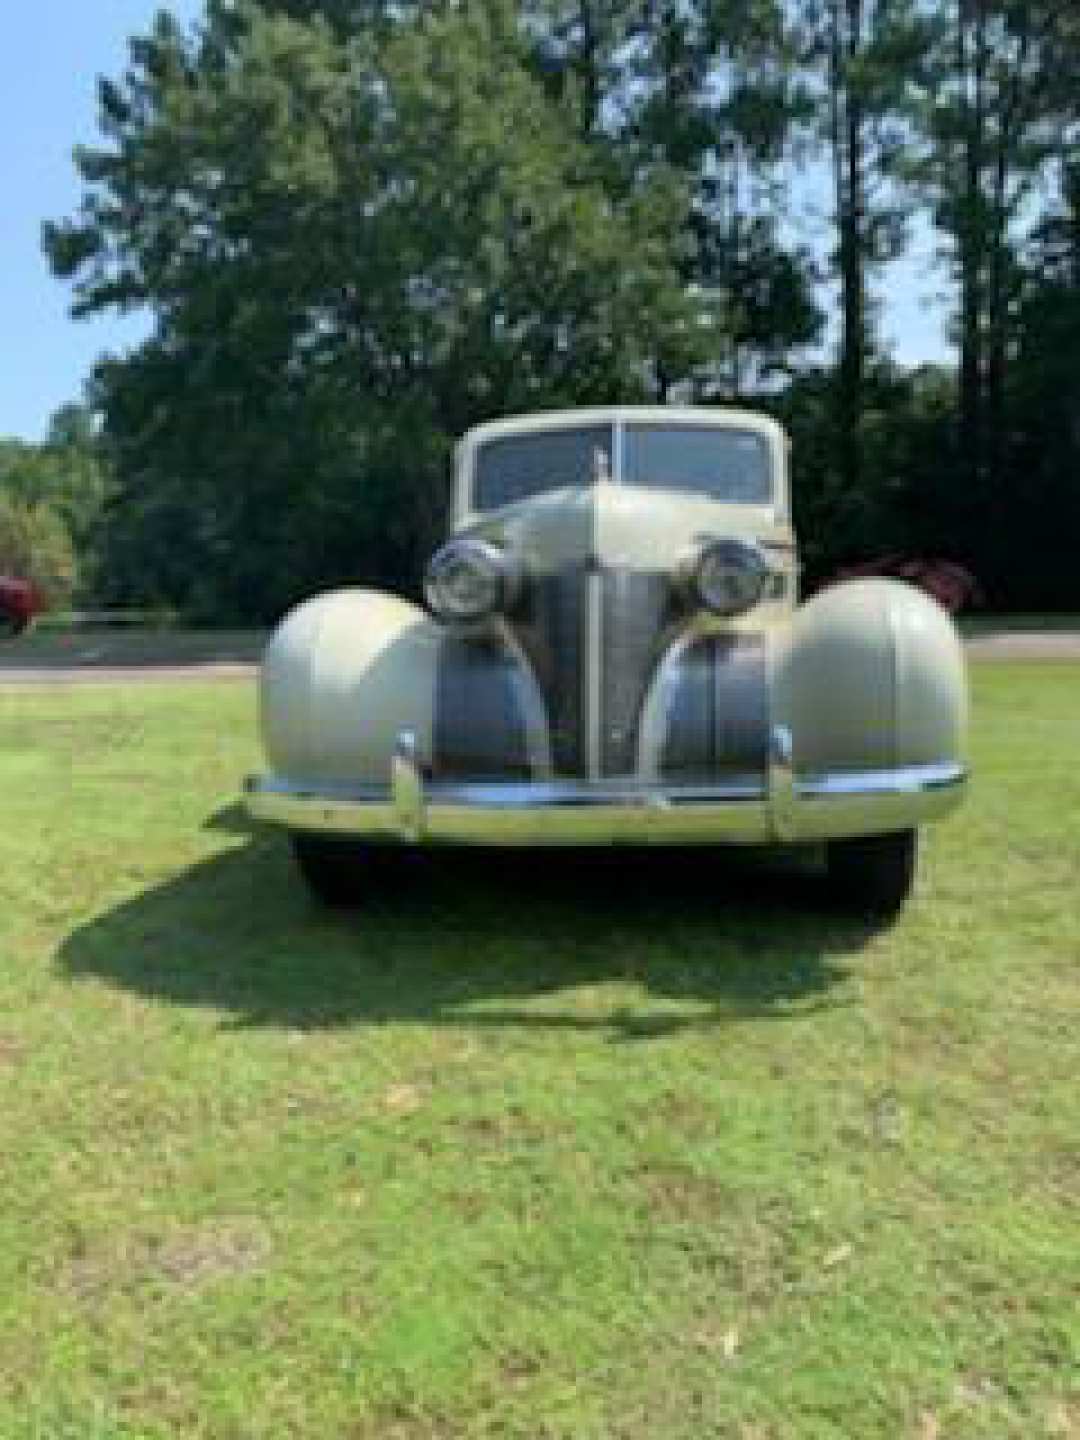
[614, 653]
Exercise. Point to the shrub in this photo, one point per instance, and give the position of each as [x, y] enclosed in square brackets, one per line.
[35, 545]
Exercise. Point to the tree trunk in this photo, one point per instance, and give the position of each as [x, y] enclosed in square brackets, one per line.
[1070, 189]
[590, 67]
[998, 327]
[971, 63]
[734, 248]
[1009, 128]
[846, 118]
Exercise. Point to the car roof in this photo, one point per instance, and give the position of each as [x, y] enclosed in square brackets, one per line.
[723, 417]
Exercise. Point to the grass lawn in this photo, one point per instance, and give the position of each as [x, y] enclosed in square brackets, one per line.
[686, 1159]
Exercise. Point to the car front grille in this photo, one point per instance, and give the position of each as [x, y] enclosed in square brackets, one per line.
[594, 638]
[478, 729]
[718, 717]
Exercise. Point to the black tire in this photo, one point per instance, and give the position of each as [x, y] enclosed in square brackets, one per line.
[342, 873]
[872, 875]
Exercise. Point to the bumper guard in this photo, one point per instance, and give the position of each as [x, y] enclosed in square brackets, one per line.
[781, 807]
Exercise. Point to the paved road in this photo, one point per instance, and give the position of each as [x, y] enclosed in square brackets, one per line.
[1005, 644]
[121, 674]
[1025, 645]
[98, 655]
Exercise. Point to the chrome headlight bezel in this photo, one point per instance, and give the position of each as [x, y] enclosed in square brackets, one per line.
[493, 577]
[731, 576]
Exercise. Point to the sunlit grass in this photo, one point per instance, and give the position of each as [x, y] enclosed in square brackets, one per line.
[674, 1153]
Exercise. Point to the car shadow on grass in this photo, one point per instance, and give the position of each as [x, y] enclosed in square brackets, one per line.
[481, 938]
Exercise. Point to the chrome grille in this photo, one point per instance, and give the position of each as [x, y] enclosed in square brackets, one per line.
[478, 730]
[638, 615]
[718, 719]
[595, 639]
[552, 631]
[718, 710]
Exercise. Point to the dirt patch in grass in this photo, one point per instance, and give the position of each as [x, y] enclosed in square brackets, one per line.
[12, 1051]
[187, 1259]
[675, 1192]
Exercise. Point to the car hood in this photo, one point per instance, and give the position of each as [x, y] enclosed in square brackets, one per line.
[621, 526]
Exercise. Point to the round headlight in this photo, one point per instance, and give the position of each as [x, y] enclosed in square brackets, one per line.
[466, 580]
[731, 576]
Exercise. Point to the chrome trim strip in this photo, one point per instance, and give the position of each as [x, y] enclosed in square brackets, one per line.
[905, 780]
[566, 812]
[593, 670]
[654, 720]
[407, 787]
[781, 772]
[516, 795]
[527, 687]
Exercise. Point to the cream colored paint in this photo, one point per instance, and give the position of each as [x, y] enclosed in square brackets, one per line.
[617, 416]
[639, 529]
[342, 675]
[870, 674]
[631, 526]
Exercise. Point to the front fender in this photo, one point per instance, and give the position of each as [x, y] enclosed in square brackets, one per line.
[341, 675]
[871, 676]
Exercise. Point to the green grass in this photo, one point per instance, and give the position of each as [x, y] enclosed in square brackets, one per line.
[687, 1158]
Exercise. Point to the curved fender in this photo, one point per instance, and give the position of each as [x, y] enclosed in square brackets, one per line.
[871, 675]
[341, 675]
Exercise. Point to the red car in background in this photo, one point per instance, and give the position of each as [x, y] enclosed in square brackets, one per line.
[20, 601]
[950, 585]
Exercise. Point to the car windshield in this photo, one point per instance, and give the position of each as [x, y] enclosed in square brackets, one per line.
[516, 467]
[726, 464]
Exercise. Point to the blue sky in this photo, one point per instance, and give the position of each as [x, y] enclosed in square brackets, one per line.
[55, 50]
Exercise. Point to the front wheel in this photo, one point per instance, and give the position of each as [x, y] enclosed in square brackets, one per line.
[873, 874]
[342, 872]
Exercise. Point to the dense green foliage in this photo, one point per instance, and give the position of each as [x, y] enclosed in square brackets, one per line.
[51, 502]
[35, 546]
[361, 227]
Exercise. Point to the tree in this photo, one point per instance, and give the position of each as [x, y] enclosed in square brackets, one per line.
[35, 546]
[904, 503]
[995, 90]
[869, 55]
[718, 101]
[363, 226]
[56, 492]
[353, 250]
[704, 88]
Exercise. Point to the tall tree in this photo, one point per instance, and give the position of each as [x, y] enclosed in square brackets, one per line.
[995, 89]
[869, 54]
[716, 96]
[353, 250]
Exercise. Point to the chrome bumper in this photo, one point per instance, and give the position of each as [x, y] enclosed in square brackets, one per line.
[782, 809]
